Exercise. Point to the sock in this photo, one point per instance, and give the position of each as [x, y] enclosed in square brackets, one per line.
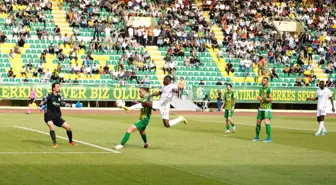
[144, 138]
[227, 127]
[125, 138]
[258, 128]
[321, 125]
[29, 110]
[53, 136]
[136, 106]
[174, 121]
[69, 133]
[232, 124]
[268, 131]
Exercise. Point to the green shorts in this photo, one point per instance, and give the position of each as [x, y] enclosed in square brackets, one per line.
[141, 124]
[262, 114]
[228, 113]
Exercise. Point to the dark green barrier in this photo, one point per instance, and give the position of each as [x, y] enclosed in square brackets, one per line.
[249, 94]
[73, 92]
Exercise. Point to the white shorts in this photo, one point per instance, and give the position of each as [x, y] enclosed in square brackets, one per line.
[321, 112]
[164, 109]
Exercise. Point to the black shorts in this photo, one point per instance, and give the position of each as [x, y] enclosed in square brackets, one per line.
[31, 100]
[57, 121]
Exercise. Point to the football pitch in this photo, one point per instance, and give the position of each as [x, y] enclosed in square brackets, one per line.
[195, 154]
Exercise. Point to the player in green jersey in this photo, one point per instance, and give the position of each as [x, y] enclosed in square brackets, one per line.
[141, 124]
[265, 110]
[229, 104]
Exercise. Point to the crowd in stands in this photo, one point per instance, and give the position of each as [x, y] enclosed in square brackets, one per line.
[249, 35]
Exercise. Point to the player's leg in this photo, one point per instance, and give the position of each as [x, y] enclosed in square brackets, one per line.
[127, 135]
[324, 131]
[267, 119]
[67, 127]
[52, 132]
[164, 110]
[29, 108]
[320, 119]
[260, 117]
[139, 106]
[227, 122]
[231, 121]
[144, 137]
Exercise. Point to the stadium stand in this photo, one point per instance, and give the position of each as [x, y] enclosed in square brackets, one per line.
[93, 42]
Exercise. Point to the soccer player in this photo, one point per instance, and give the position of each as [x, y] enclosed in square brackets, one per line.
[166, 95]
[53, 114]
[322, 95]
[32, 98]
[265, 110]
[141, 124]
[229, 104]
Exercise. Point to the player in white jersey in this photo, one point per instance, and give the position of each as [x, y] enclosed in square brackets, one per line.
[322, 96]
[166, 94]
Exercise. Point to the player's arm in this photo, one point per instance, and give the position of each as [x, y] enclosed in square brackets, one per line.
[259, 98]
[233, 104]
[223, 105]
[332, 103]
[44, 100]
[158, 93]
[63, 103]
[314, 98]
[269, 98]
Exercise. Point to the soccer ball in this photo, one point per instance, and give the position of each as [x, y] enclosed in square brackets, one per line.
[120, 103]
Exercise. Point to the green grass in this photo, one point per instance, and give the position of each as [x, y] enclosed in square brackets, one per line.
[197, 153]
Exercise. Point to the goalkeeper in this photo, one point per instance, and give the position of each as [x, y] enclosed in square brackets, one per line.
[53, 114]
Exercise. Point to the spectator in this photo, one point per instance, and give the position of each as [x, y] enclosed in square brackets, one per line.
[11, 55]
[95, 69]
[21, 42]
[219, 82]
[298, 81]
[57, 32]
[152, 66]
[146, 80]
[287, 70]
[3, 38]
[201, 82]
[329, 83]
[122, 82]
[181, 85]
[274, 74]
[24, 71]
[166, 68]
[219, 100]
[106, 69]
[229, 68]
[35, 73]
[10, 73]
[88, 70]
[133, 75]
[26, 80]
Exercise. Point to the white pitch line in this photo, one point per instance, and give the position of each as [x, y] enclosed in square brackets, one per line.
[81, 142]
[24, 153]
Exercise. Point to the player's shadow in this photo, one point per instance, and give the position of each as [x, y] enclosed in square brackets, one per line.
[36, 142]
[133, 146]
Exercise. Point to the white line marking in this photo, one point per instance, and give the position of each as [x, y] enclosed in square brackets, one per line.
[81, 142]
[23, 153]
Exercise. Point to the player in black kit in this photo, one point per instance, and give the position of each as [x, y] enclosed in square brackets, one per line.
[53, 114]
